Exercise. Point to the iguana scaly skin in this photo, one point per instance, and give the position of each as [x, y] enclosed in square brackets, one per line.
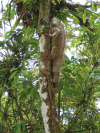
[58, 44]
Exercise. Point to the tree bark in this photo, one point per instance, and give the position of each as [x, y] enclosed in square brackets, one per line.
[48, 109]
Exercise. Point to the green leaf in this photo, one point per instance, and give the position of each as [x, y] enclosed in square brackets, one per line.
[73, 43]
[0, 23]
[23, 126]
[86, 29]
[76, 48]
[34, 93]
[12, 75]
[98, 72]
[60, 86]
[72, 57]
[18, 129]
[84, 16]
[5, 69]
[92, 8]
[12, 126]
[26, 74]
[19, 1]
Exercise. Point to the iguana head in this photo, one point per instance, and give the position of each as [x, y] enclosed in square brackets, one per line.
[55, 22]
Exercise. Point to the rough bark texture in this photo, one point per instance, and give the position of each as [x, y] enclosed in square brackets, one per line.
[48, 109]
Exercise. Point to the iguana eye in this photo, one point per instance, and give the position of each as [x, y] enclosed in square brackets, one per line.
[53, 25]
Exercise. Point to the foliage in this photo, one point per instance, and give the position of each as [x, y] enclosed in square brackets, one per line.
[80, 77]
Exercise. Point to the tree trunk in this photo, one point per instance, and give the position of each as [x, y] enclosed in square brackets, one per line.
[48, 109]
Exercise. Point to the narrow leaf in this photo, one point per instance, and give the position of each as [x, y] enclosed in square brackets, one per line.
[84, 16]
[13, 74]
